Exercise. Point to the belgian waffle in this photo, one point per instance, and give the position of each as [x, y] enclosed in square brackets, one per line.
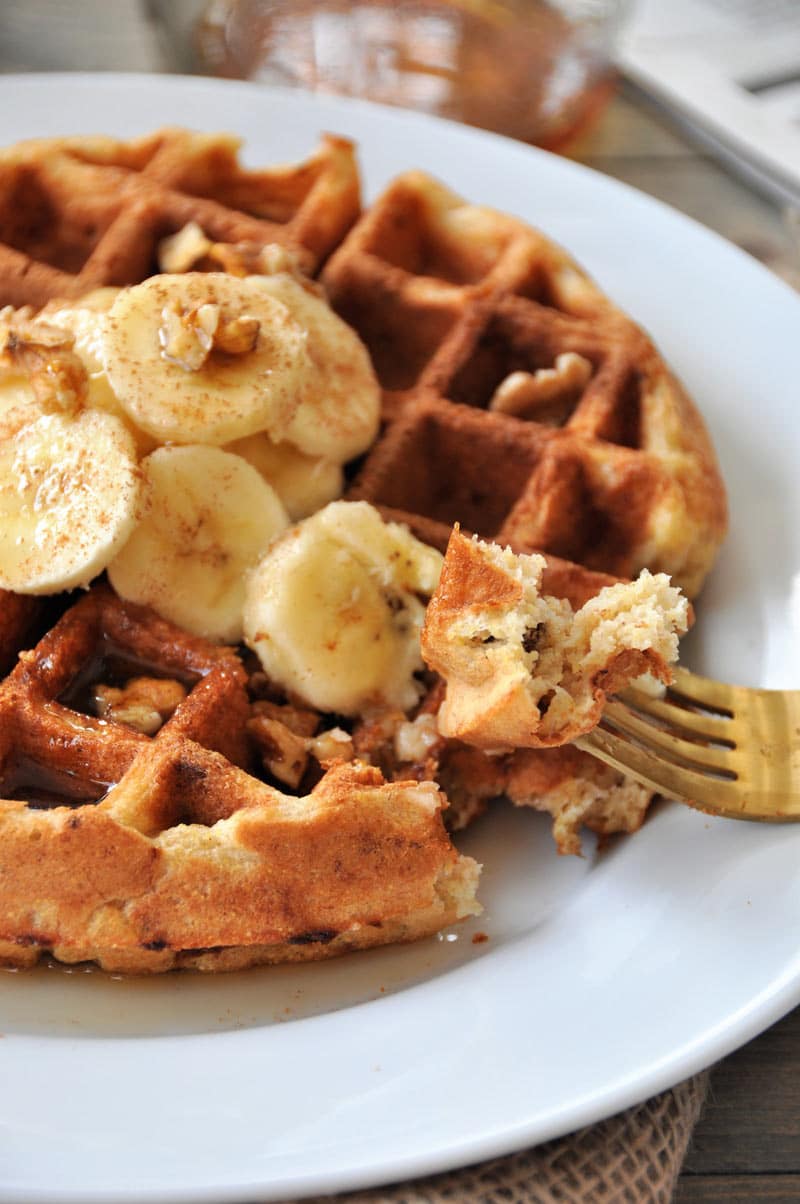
[147, 851]
[519, 401]
[79, 213]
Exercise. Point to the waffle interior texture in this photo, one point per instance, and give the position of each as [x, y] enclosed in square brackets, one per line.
[517, 400]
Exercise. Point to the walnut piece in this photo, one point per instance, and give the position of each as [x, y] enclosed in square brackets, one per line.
[188, 336]
[181, 251]
[526, 393]
[191, 248]
[45, 354]
[283, 752]
[143, 703]
[333, 745]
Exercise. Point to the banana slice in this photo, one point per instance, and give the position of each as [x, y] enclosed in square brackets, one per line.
[85, 321]
[69, 489]
[303, 483]
[18, 402]
[83, 318]
[339, 410]
[208, 519]
[334, 609]
[204, 357]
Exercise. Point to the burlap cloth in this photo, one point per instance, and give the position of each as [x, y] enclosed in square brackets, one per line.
[632, 1158]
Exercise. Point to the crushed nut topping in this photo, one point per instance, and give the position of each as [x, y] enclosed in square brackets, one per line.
[238, 336]
[188, 336]
[285, 738]
[181, 251]
[333, 745]
[190, 248]
[414, 740]
[144, 703]
[44, 353]
[524, 393]
[283, 752]
[297, 719]
[274, 258]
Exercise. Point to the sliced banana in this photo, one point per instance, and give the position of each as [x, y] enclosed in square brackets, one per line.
[334, 609]
[209, 517]
[18, 402]
[204, 357]
[303, 483]
[83, 318]
[85, 321]
[339, 411]
[69, 489]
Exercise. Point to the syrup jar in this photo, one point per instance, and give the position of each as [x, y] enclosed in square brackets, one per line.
[531, 69]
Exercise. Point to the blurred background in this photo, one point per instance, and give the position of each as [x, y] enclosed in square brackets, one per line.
[696, 102]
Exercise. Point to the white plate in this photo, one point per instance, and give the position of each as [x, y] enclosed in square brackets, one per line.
[604, 979]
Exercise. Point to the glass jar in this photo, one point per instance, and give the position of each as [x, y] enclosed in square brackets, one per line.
[531, 69]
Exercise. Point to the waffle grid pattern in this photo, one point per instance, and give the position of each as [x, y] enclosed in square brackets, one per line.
[77, 214]
[518, 400]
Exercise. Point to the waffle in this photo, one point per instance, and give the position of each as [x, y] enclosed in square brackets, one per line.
[79, 213]
[145, 851]
[165, 804]
[519, 401]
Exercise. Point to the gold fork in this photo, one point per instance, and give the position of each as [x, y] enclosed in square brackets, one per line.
[725, 749]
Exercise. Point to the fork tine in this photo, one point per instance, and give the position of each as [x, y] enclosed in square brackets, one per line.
[689, 722]
[703, 691]
[667, 743]
[662, 776]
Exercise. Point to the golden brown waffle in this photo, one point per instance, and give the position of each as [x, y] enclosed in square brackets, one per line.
[212, 830]
[147, 850]
[79, 213]
[518, 400]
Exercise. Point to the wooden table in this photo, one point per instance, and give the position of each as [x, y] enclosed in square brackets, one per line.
[747, 1144]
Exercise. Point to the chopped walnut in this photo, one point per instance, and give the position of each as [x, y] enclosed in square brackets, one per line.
[274, 258]
[375, 733]
[298, 720]
[238, 336]
[332, 745]
[254, 259]
[181, 251]
[237, 259]
[45, 354]
[191, 248]
[188, 336]
[526, 393]
[144, 703]
[20, 328]
[413, 741]
[283, 752]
